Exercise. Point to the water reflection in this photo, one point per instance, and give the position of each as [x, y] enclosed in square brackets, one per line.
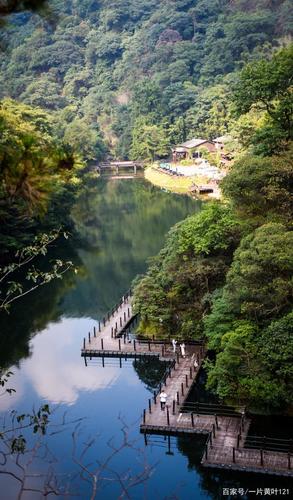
[119, 224]
[122, 224]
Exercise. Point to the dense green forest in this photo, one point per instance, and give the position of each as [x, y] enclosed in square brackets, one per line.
[139, 72]
[226, 274]
[128, 78]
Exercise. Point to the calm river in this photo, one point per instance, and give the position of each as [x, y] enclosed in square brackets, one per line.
[120, 223]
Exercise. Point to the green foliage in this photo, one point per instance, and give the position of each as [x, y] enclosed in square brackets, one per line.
[12, 289]
[254, 366]
[148, 141]
[267, 86]
[213, 232]
[172, 297]
[170, 58]
[242, 324]
[37, 169]
[260, 188]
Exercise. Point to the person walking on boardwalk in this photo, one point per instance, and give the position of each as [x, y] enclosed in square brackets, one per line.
[174, 342]
[182, 347]
[163, 399]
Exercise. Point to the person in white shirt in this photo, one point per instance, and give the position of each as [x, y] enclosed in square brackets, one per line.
[182, 347]
[163, 399]
[174, 342]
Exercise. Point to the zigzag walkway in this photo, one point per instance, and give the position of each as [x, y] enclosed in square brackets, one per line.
[226, 428]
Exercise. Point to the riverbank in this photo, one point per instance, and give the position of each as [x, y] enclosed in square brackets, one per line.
[176, 184]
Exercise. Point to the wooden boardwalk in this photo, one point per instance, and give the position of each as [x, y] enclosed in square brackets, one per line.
[226, 429]
[224, 451]
[104, 337]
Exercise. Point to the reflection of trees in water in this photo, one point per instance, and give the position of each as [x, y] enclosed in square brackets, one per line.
[119, 225]
[199, 392]
[150, 371]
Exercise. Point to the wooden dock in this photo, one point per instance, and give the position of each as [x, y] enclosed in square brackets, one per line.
[226, 427]
[202, 188]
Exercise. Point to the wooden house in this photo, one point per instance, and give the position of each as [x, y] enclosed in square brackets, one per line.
[192, 149]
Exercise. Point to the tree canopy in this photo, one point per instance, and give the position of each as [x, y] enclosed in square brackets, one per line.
[152, 62]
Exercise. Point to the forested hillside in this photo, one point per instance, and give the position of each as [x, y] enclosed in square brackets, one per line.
[139, 72]
[225, 275]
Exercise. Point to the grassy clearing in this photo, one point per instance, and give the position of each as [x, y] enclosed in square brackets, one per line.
[175, 184]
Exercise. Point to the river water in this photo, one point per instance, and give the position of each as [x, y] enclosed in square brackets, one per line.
[120, 224]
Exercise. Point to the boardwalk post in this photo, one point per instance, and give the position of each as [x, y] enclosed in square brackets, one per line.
[134, 345]
[104, 322]
[124, 317]
[102, 344]
[103, 362]
[124, 338]
[95, 332]
[89, 337]
[216, 420]
[144, 416]
[120, 362]
[168, 416]
[119, 344]
[116, 326]
[261, 457]
[84, 342]
[192, 419]
[150, 406]
[177, 396]
[186, 380]
[145, 439]
[99, 326]
[190, 372]
[128, 312]
[120, 321]
[112, 332]
[182, 389]
[234, 456]
[242, 422]
[238, 440]
[85, 361]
